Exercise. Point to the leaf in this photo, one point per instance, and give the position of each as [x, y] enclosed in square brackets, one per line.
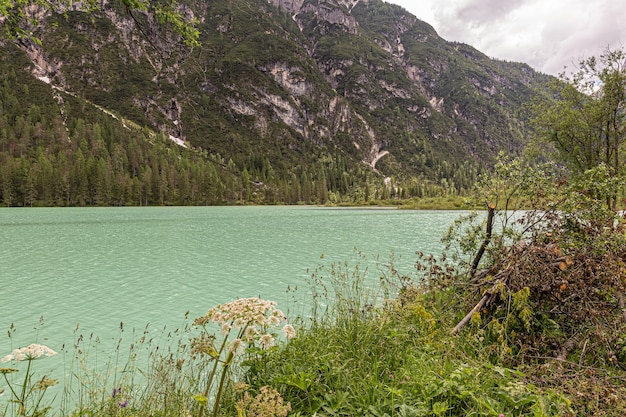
[410, 411]
[439, 408]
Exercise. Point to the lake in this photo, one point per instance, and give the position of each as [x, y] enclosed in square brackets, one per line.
[97, 267]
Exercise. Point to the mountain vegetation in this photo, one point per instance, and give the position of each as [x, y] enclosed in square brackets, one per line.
[247, 101]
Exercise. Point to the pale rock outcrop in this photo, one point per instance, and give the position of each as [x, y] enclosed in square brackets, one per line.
[281, 108]
[376, 152]
[286, 112]
[290, 6]
[330, 13]
[43, 68]
[290, 78]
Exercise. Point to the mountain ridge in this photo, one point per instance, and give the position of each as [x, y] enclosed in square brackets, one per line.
[295, 82]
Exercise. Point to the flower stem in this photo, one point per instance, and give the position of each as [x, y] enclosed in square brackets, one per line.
[10, 387]
[216, 407]
[22, 400]
[212, 375]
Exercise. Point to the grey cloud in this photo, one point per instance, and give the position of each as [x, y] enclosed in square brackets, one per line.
[484, 11]
[575, 42]
[548, 36]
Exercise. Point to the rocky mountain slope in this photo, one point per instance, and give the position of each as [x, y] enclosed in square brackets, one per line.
[284, 86]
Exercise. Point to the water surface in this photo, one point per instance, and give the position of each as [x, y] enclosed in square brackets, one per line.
[97, 267]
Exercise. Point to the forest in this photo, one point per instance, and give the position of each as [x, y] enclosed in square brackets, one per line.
[49, 159]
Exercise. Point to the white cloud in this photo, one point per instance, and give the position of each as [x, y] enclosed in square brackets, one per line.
[548, 35]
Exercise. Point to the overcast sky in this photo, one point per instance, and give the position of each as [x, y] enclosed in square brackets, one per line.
[549, 35]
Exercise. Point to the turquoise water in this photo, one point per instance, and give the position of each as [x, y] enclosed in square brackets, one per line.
[97, 267]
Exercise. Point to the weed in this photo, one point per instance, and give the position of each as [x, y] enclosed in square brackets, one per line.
[28, 395]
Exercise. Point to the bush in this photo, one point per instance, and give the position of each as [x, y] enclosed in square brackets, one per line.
[549, 294]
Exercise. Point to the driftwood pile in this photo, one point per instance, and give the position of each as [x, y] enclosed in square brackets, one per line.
[581, 291]
[540, 260]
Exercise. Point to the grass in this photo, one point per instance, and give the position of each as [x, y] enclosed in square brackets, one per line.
[451, 202]
[376, 344]
[395, 358]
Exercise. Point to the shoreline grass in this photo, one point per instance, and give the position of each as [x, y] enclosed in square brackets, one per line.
[370, 350]
[376, 344]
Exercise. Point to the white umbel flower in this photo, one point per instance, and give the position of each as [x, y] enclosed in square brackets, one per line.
[28, 353]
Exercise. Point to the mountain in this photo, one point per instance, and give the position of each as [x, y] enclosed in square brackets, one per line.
[283, 101]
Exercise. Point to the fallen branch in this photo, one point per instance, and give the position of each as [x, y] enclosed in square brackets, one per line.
[487, 298]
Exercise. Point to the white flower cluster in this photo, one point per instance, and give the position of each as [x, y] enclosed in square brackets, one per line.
[30, 352]
[244, 312]
[252, 317]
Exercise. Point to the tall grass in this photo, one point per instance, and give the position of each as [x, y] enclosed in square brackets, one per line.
[156, 373]
[374, 345]
[145, 373]
[364, 355]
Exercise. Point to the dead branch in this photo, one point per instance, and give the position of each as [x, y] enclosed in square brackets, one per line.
[490, 212]
[548, 255]
[563, 263]
[487, 298]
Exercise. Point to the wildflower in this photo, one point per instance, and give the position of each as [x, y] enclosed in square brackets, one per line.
[266, 341]
[279, 315]
[289, 331]
[116, 391]
[250, 334]
[225, 328]
[268, 403]
[239, 387]
[252, 319]
[239, 323]
[122, 404]
[276, 317]
[30, 352]
[203, 345]
[45, 383]
[243, 312]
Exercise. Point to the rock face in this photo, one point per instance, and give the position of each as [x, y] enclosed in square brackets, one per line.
[360, 78]
[327, 14]
[290, 6]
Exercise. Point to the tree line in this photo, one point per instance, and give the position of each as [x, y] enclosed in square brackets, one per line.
[102, 164]
[51, 158]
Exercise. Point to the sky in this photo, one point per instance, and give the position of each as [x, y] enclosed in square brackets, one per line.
[552, 36]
